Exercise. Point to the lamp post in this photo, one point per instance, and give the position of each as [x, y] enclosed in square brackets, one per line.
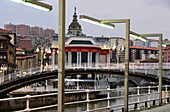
[143, 37]
[160, 60]
[3, 68]
[61, 55]
[126, 76]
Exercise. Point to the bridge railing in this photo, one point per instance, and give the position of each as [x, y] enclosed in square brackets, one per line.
[140, 97]
[147, 68]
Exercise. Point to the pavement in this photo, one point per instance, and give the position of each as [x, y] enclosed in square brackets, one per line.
[164, 108]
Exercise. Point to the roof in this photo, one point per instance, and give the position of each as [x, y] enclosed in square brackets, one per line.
[149, 48]
[5, 37]
[19, 49]
[150, 60]
[5, 31]
[74, 24]
[117, 38]
[25, 57]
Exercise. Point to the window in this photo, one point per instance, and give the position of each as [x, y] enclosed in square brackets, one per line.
[81, 42]
[1, 45]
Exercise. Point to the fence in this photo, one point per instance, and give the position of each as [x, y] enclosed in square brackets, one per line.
[141, 97]
[139, 68]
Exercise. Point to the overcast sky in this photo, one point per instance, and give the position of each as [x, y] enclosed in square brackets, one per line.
[147, 16]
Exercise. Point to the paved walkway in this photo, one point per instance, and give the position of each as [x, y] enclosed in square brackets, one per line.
[164, 108]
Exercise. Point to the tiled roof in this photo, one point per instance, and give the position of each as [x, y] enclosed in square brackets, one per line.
[6, 31]
[19, 49]
[25, 57]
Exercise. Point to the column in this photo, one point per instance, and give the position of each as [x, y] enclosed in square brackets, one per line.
[108, 59]
[88, 62]
[80, 59]
[69, 58]
[97, 59]
[77, 59]
[53, 58]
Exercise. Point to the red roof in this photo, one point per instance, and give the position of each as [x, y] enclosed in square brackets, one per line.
[5, 37]
[24, 57]
[19, 49]
[5, 31]
[149, 48]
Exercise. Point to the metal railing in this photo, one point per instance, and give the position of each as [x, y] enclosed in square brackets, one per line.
[141, 97]
[145, 68]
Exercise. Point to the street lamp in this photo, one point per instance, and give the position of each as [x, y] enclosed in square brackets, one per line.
[35, 4]
[61, 55]
[126, 77]
[135, 35]
[160, 59]
[96, 22]
[3, 68]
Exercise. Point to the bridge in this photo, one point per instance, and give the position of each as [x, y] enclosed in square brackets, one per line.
[148, 71]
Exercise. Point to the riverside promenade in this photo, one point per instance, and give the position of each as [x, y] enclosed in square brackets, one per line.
[164, 108]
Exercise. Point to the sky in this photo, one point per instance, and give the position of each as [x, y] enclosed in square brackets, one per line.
[146, 16]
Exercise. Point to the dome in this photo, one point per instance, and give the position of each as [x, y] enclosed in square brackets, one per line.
[75, 24]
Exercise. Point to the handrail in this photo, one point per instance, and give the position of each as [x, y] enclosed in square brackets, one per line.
[137, 103]
[133, 67]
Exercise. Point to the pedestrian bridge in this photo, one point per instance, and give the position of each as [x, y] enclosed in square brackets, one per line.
[16, 80]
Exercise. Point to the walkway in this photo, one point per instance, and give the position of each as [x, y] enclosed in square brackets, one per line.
[164, 108]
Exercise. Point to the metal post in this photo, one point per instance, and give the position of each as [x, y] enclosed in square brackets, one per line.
[138, 97]
[160, 69]
[149, 97]
[53, 59]
[41, 58]
[46, 83]
[126, 77]
[88, 102]
[95, 82]
[3, 75]
[166, 93]
[108, 99]
[28, 103]
[61, 55]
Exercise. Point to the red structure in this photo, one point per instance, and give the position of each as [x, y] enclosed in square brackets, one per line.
[167, 54]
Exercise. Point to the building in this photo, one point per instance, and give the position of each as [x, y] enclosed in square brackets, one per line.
[154, 43]
[7, 53]
[37, 34]
[75, 28]
[24, 42]
[138, 43]
[117, 43]
[167, 54]
[10, 27]
[24, 61]
[22, 30]
[83, 49]
[10, 39]
[36, 31]
[142, 53]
